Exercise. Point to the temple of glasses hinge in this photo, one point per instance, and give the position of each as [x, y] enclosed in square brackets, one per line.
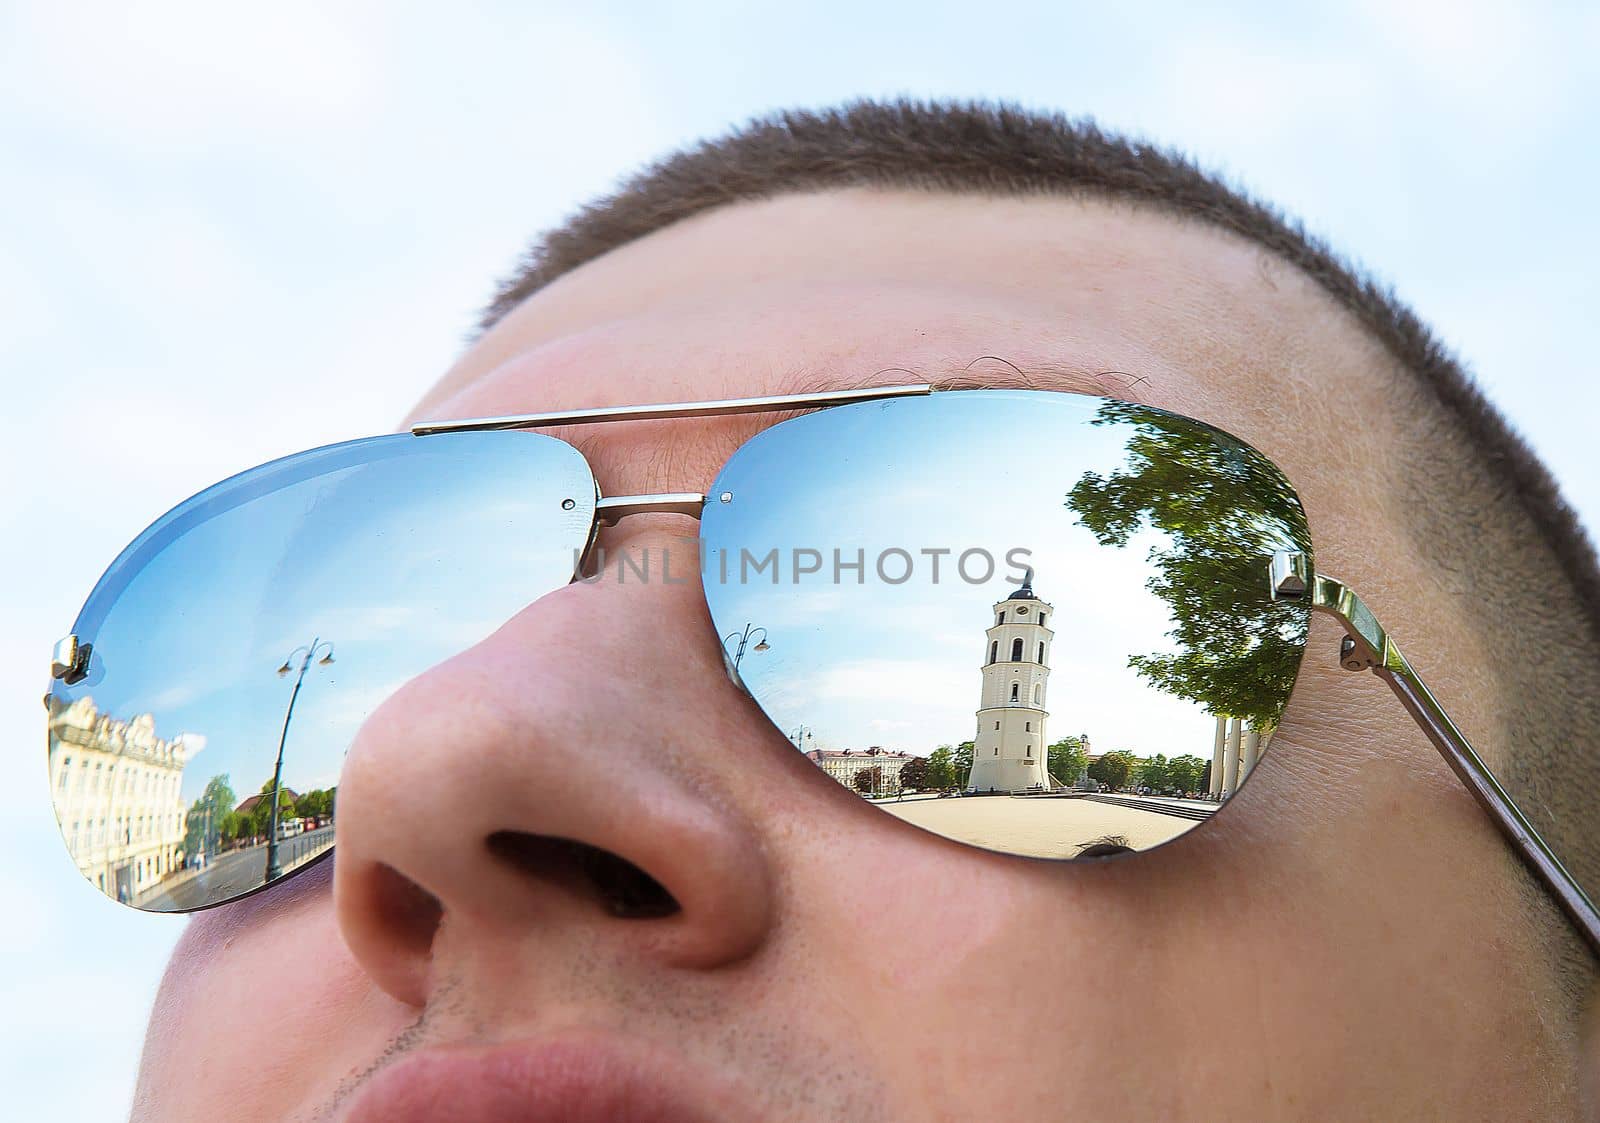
[70, 660]
[1366, 645]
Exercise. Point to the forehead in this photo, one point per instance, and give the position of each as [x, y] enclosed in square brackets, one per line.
[830, 288]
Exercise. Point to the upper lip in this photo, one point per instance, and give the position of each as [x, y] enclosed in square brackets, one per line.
[582, 1078]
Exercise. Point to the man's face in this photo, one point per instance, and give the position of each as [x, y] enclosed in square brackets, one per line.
[1350, 938]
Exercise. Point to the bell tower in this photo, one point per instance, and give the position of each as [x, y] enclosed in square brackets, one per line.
[1009, 751]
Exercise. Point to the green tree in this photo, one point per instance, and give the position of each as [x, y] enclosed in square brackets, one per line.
[941, 767]
[868, 780]
[231, 826]
[963, 763]
[204, 818]
[914, 774]
[1067, 758]
[261, 813]
[1225, 509]
[1113, 769]
[314, 803]
[1154, 773]
[1186, 772]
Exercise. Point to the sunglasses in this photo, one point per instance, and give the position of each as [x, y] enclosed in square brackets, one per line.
[1040, 623]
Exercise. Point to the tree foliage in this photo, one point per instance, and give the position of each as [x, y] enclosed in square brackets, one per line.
[869, 780]
[914, 773]
[942, 768]
[260, 816]
[963, 763]
[1154, 773]
[316, 803]
[1067, 759]
[1186, 772]
[203, 823]
[1114, 770]
[1224, 509]
[232, 826]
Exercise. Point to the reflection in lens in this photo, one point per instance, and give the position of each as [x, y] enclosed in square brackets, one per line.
[238, 644]
[1037, 623]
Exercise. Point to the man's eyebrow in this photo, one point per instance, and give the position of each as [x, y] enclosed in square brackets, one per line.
[992, 372]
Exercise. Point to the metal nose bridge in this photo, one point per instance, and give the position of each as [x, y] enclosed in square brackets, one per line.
[608, 511]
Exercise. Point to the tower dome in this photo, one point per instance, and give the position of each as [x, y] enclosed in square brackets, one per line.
[1026, 591]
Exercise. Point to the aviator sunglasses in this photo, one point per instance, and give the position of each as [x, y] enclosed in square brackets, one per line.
[1041, 623]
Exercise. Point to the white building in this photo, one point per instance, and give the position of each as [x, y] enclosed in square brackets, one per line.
[117, 796]
[1009, 751]
[843, 765]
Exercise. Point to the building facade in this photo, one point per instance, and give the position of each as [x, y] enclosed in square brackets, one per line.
[117, 796]
[1008, 753]
[844, 764]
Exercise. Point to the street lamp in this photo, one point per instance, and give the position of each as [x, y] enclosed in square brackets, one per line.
[744, 638]
[800, 736]
[305, 654]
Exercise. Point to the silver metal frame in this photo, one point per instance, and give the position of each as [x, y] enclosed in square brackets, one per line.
[609, 511]
[659, 410]
[1367, 646]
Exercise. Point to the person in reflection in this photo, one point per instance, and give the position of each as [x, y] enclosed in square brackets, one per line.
[726, 933]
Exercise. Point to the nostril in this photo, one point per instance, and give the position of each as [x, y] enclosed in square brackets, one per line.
[622, 888]
[406, 909]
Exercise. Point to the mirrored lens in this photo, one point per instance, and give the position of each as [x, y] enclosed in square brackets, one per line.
[236, 646]
[1033, 622]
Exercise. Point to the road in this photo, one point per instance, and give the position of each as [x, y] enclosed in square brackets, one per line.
[234, 872]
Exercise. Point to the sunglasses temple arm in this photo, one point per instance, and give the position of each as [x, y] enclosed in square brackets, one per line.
[1368, 647]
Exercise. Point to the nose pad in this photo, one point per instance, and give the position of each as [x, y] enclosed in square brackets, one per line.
[569, 771]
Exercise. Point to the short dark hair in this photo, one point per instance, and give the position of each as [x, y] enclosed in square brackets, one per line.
[998, 150]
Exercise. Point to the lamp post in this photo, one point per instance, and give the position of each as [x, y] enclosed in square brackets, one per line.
[745, 637]
[306, 654]
[800, 736]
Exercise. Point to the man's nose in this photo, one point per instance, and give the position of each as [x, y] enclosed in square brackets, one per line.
[569, 770]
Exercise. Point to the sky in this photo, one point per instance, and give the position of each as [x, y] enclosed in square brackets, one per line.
[890, 654]
[236, 232]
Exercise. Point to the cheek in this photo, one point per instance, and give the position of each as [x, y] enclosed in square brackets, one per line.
[1350, 932]
[272, 1015]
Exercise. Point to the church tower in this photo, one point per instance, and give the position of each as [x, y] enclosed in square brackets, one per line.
[1009, 750]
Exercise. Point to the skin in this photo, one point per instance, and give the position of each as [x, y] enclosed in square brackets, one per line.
[1350, 940]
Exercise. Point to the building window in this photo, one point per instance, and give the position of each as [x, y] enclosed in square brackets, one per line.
[1041, 652]
[1041, 619]
[997, 750]
[1035, 694]
[1027, 727]
[994, 651]
[1002, 619]
[1016, 650]
[1029, 750]
[1013, 692]
[997, 725]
